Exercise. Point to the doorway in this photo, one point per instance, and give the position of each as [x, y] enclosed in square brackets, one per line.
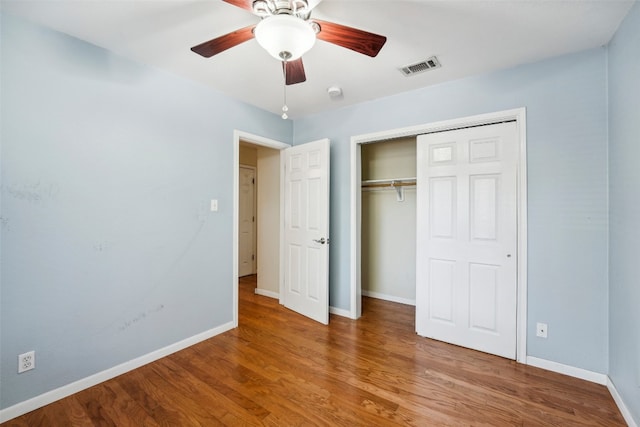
[263, 156]
[303, 173]
[517, 115]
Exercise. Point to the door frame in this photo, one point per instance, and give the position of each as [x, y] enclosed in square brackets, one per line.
[519, 115]
[239, 135]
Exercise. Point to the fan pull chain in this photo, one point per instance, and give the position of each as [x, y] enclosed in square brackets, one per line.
[284, 107]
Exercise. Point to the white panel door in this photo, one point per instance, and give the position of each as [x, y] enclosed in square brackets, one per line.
[306, 235]
[246, 223]
[466, 250]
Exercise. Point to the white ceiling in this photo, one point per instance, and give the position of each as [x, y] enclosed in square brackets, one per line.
[468, 37]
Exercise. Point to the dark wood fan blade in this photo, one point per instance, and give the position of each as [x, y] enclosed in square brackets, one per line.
[243, 4]
[222, 43]
[351, 38]
[295, 71]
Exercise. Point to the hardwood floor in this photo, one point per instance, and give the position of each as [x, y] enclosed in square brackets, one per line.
[281, 369]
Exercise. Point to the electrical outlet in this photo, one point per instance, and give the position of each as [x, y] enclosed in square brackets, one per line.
[26, 361]
[541, 330]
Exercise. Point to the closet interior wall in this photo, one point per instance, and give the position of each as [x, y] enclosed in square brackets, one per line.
[388, 225]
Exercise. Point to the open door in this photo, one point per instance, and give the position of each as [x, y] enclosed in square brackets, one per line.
[306, 229]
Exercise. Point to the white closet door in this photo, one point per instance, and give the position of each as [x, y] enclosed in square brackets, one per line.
[247, 222]
[466, 249]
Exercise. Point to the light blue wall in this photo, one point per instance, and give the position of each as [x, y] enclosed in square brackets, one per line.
[624, 211]
[107, 168]
[567, 173]
[108, 248]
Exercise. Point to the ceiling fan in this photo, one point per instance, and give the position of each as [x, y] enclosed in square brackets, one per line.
[287, 32]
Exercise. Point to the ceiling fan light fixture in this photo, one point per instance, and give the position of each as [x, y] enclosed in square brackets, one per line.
[285, 37]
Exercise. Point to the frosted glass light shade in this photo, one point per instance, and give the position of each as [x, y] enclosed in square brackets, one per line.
[285, 36]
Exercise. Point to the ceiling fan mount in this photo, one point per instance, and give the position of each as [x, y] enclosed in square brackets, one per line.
[297, 8]
[287, 31]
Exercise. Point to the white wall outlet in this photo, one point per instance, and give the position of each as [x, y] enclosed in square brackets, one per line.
[26, 361]
[214, 205]
[541, 330]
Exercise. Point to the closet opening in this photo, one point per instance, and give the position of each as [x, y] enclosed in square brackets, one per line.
[388, 220]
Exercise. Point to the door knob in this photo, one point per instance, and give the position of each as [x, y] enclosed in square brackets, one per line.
[322, 241]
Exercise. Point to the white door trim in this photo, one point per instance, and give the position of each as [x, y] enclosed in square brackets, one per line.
[519, 115]
[264, 142]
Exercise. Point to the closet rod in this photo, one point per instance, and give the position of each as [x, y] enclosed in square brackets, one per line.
[389, 184]
[397, 182]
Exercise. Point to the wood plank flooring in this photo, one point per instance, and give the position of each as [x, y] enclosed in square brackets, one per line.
[281, 369]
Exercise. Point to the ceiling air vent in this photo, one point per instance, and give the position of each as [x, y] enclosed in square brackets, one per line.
[420, 67]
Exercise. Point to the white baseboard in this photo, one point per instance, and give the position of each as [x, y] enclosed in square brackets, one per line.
[386, 297]
[266, 293]
[626, 414]
[340, 312]
[69, 389]
[572, 371]
[583, 374]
